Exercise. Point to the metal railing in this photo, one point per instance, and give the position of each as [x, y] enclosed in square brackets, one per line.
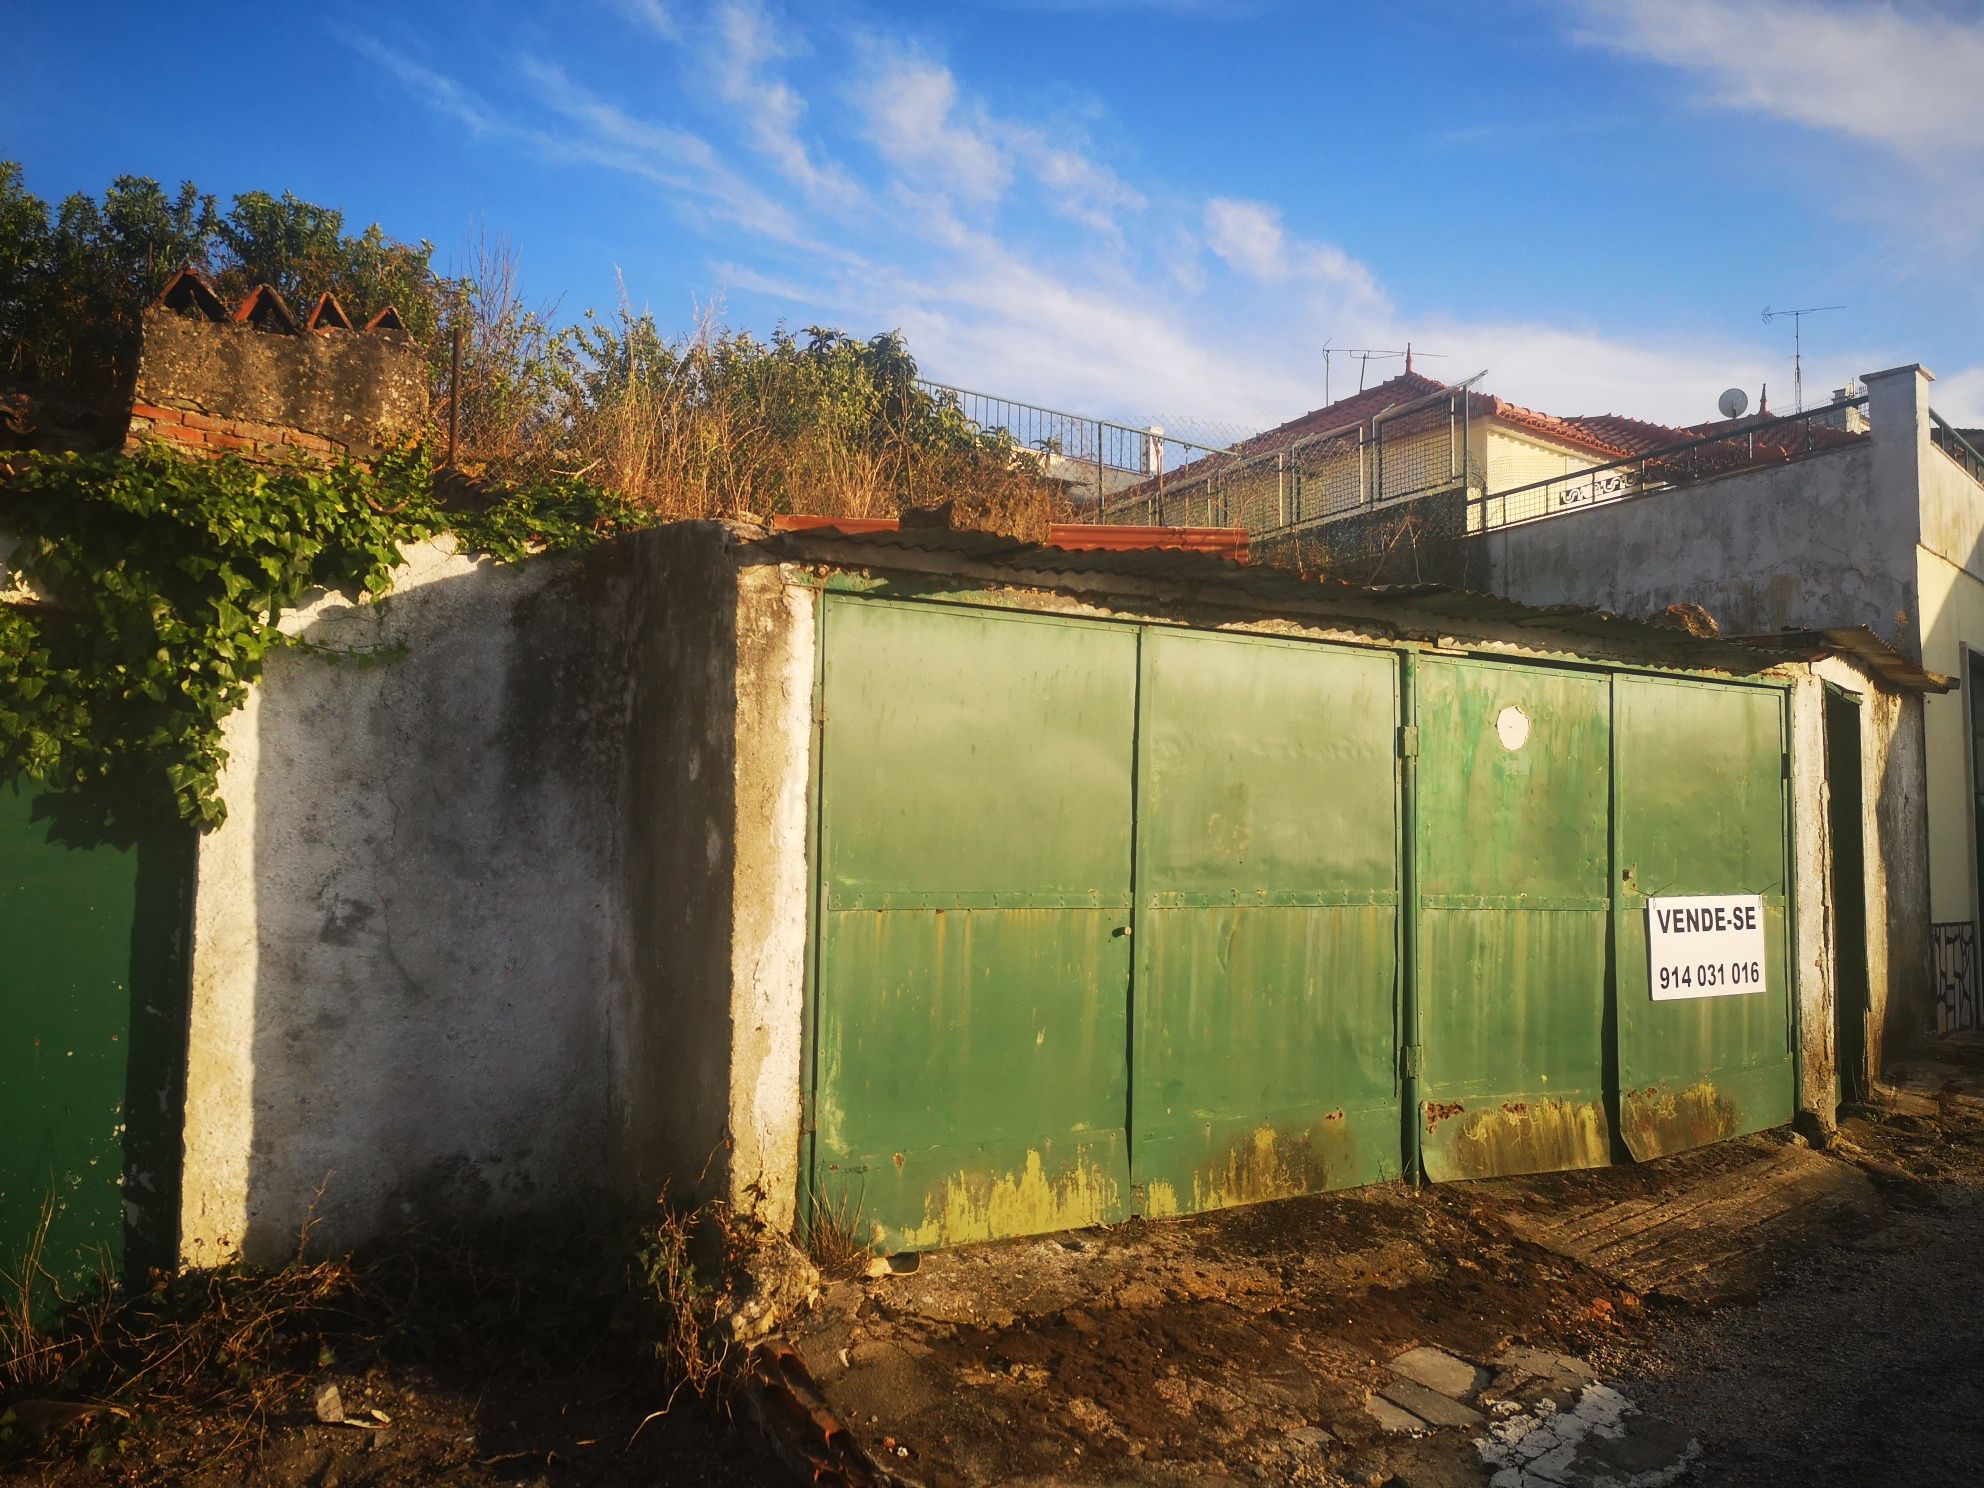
[1415, 449]
[1952, 443]
[1766, 441]
[1097, 457]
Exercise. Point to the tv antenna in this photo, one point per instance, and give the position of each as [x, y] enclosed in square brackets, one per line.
[1364, 356]
[1797, 346]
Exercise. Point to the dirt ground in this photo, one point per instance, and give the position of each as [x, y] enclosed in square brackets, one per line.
[475, 1360]
[1743, 1314]
[1755, 1308]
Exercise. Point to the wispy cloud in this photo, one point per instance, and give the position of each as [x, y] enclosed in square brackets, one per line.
[1904, 81]
[652, 15]
[1214, 304]
[913, 119]
[747, 46]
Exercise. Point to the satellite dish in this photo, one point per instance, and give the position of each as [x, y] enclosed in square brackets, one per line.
[1733, 402]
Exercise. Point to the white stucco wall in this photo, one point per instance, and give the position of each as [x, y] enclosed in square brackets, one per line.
[402, 930]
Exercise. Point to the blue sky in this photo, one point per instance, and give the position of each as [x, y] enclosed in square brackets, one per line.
[1144, 210]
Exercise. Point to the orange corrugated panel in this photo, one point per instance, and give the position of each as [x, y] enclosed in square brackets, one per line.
[1076, 537]
[1226, 542]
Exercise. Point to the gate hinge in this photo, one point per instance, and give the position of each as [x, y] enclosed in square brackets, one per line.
[1408, 1061]
[1787, 764]
[1408, 741]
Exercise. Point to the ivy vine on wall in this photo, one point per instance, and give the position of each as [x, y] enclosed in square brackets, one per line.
[159, 583]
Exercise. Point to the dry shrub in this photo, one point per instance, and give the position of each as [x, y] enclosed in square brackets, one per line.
[714, 422]
[239, 1346]
[833, 1238]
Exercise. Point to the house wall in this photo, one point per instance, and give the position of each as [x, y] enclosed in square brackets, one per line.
[1952, 600]
[1512, 459]
[1950, 605]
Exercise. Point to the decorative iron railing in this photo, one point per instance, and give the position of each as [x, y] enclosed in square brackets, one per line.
[1759, 442]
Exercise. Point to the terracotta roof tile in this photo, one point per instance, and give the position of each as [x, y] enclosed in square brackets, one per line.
[1630, 436]
[264, 309]
[189, 293]
[327, 314]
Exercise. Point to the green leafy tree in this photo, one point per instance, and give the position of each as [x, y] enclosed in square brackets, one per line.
[75, 280]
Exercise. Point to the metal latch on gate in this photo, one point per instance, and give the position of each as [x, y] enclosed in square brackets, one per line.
[1408, 741]
[1408, 1061]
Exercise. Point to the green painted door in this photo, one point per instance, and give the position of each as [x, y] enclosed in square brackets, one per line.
[1701, 810]
[1514, 801]
[92, 1010]
[1267, 886]
[970, 1064]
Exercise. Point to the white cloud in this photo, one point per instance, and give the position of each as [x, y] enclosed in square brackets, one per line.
[913, 119]
[673, 158]
[653, 15]
[1215, 308]
[1907, 82]
[1249, 236]
[919, 122]
[770, 108]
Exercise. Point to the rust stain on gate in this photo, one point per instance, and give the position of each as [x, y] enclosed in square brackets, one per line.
[985, 1205]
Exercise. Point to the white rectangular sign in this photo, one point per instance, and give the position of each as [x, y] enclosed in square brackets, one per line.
[1707, 945]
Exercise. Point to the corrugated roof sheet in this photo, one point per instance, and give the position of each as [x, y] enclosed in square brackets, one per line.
[1864, 646]
[1270, 587]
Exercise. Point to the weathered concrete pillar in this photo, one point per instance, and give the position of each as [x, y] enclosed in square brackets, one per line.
[1898, 410]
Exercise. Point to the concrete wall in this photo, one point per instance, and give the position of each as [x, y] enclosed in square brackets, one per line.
[1806, 545]
[1893, 826]
[1950, 574]
[469, 903]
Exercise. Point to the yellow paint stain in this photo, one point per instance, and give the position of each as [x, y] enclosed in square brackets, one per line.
[975, 1206]
[1536, 1136]
[1659, 1121]
[1160, 1201]
[1269, 1163]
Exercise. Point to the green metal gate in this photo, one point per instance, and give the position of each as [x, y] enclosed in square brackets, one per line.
[1701, 809]
[93, 931]
[972, 1011]
[1267, 884]
[1008, 803]
[1513, 855]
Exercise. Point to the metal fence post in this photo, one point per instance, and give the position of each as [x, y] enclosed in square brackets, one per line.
[455, 393]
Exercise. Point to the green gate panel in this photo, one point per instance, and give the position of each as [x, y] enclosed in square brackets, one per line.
[1264, 1060]
[92, 1008]
[1514, 803]
[970, 1069]
[1701, 810]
